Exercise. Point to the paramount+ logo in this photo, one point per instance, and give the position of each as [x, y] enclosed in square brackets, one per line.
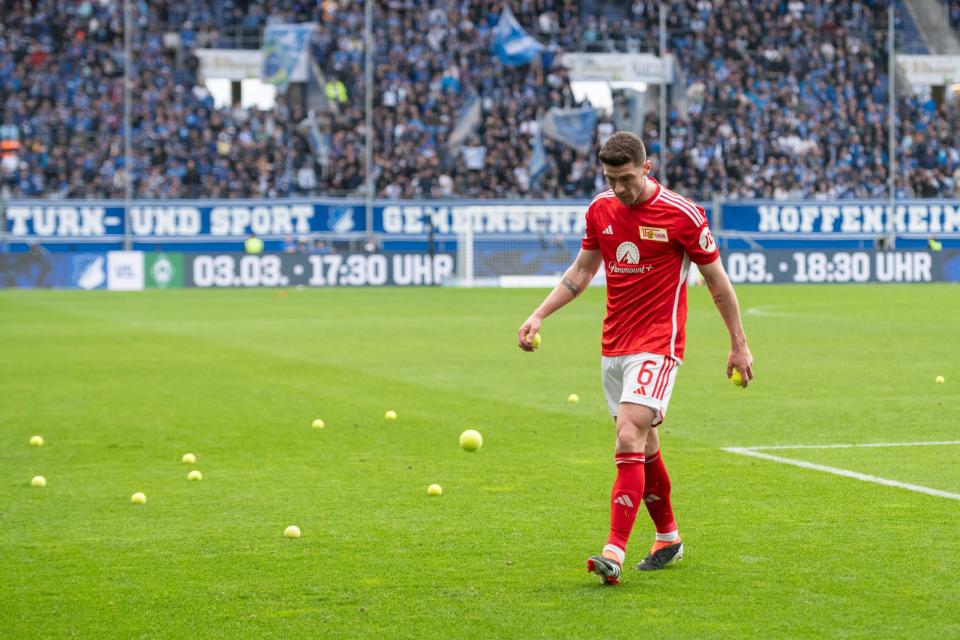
[628, 260]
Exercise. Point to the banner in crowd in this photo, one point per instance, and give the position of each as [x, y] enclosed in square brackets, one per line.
[618, 67]
[285, 53]
[230, 64]
[868, 219]
[927, 71]
[818, 267]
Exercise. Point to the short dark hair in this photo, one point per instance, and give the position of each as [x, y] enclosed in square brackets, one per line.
[623, 148]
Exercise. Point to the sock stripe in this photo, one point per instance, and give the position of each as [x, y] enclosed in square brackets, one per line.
[653, 458]
[620, 553]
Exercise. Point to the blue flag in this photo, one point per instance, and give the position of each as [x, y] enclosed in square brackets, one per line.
[284, 45]
[572, 127]
[538, 158]
[512, 45]
[467, 123]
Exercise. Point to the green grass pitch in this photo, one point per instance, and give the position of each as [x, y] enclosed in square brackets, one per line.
[121, 385]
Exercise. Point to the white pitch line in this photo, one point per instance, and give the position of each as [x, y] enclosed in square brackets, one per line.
[850, 446]
[845, 473]
[771, 311]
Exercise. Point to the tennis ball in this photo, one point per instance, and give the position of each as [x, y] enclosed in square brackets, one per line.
[38, 481]
[471, 440]
[253, 245]
[736, 378]
[195, 475]
[138, 498]
[390, 415]
[293, 531]
[573, 398]
[188, 458]
[536, 340]
[938, 380]
[434, 490]
[318, 424]
[37, 441]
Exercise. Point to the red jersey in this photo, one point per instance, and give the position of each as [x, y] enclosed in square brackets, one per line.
[647, 249]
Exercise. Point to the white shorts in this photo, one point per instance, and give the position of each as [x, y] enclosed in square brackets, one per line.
[640, 378]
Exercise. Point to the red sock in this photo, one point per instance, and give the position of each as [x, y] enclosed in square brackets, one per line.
[625, 497]
[656, 494]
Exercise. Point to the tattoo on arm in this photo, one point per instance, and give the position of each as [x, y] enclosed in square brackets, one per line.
[573, 288]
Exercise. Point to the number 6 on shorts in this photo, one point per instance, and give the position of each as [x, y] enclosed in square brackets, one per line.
[643, 378]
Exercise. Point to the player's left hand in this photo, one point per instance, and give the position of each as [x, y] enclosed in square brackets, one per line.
[741, 359]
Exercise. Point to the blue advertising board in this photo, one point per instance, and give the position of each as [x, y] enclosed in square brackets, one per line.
[163, 221]
[854, 218]
[204, 224]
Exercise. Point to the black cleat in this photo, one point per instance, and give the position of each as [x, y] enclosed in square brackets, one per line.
[663, 556]
[607, 569]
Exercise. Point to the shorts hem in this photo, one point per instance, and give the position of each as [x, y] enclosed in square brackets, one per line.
[650, 404]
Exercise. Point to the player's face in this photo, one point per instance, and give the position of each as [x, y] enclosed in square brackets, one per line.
[627, 181]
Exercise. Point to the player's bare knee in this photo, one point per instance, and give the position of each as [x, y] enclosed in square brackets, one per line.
[629, 438]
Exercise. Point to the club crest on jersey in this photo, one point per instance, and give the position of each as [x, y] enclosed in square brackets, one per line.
[628, 253]
[706, 240]
[653, 233]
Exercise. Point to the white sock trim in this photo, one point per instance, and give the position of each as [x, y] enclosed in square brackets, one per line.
[673, 536]
[617, 550]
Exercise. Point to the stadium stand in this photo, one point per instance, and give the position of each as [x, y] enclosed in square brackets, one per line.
[778, 99]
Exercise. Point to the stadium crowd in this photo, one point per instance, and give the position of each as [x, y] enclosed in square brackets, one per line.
[777, 99]
[954, 8]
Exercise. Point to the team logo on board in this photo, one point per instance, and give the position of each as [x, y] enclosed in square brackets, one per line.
[653, 233]
[628, 253]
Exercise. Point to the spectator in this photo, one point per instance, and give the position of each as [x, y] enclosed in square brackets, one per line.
[782, 99]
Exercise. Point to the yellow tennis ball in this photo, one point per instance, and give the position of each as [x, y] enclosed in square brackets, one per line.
[138, 498]
[293, 531]
[471, 440]
[195, 475]
[38, 481]
[188, 458]
[434, 490]
[939, 380]
[736, 378]
[37, 441]
[536, 340]
[573, 398]
[390, 415]
[318, 424]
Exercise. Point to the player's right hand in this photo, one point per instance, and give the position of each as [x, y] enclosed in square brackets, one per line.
[526, 333]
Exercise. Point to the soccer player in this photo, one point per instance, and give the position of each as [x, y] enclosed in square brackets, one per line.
[647, 235]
